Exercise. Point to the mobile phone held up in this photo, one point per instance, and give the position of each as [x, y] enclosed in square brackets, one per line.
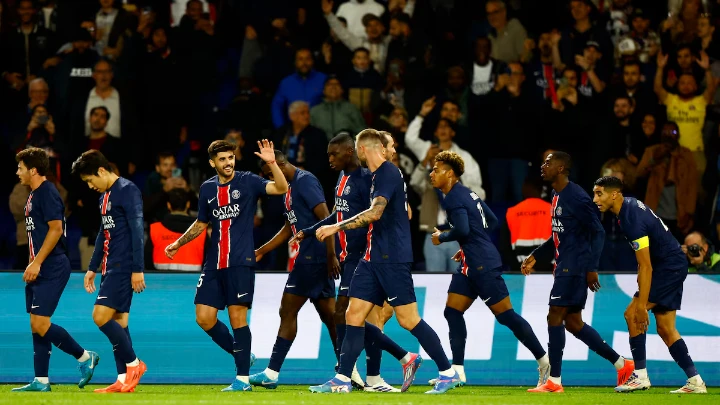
[177, 172]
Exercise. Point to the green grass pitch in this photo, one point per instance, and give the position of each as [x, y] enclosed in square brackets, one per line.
[295, 394]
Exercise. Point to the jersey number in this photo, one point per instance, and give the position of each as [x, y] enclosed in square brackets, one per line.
[480, 208]
[200, 280]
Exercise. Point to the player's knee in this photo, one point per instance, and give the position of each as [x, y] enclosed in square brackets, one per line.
[629, 315]
[100, 318]
[574, 325]
[556, 316]
[451, 313]
[205, 321]
[666, 332]
[39, 324]
[408, 322]
[287, 313]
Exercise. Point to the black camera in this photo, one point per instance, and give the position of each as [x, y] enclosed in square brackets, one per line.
[694, 250]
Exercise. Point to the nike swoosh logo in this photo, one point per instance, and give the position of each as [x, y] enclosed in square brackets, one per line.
[267, 382]
[101, 298]
[391, 299]
[211, 200]
[237, 351]
[487, 300]
[35, 306]
[554, 298]
[344, 288]
[289, 286]
[242, 295]
[246, 388]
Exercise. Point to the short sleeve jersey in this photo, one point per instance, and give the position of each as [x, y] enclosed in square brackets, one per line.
[478, 250]
[303, 195]
[388, 239]
[643, 229]
[43, 205]
[352, 196]
[121, 203]
[230, 209]
[573, 216]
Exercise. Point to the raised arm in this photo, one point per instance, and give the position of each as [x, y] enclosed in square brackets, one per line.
[267, 154]
[704, 62]
[343, 34]
[658, 83]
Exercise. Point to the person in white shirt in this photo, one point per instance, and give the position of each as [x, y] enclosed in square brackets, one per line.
[105, 95]
[354, 10]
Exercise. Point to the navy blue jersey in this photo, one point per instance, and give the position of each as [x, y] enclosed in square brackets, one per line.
[472, 219]
[643, 229]
[230, 209]
[303, 195]
[352, 196]
[388, 239]
[119, 244]
[44, 205]
[577, 234]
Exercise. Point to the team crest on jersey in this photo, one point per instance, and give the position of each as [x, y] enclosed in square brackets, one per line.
[347, 190]
[558, 211]
[635, 245]
[235, 194]
[108, 206]
[29, 206]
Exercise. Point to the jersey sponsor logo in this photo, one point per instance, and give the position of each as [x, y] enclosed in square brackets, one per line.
[81, 72]
[29, 224]
[226, 212]
[107, 221]
[235, 194]
[341, 205]
[292, 219]
[557, 226]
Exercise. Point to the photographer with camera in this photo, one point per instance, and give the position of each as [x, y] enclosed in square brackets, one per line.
[701, 254]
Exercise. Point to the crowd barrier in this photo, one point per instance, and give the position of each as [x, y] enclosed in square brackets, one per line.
[176, 350]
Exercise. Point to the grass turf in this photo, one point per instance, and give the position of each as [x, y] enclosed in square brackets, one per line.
[294, 394]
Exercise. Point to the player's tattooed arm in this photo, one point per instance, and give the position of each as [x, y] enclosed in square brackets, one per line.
[195, 230]
[366, 217]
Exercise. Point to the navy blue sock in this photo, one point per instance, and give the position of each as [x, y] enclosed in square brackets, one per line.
[373, 349]
[592, 339]
[430, 341]
[120, 341]
[120, 365]
[63, 341]
[241, 350]
[280, 351]
[41, 355]
[680, 354]
[458, 334]
[340, 330]
[637, 348]
[374, 334]
[556, 335]
[351, 348]
[522, 331]
[220, 334]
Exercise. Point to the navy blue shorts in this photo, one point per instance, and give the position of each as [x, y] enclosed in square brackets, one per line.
[115, 291]
[311, 281]
[43, 295]
[348, 270]
[380, 282]
[486, 284]
[570, 291]
[666, 291]
[223, 288]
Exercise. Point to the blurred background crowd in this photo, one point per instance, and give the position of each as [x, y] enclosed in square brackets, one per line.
[628, 87]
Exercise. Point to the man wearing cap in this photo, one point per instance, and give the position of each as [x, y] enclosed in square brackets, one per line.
[592, 77]
[373, 39]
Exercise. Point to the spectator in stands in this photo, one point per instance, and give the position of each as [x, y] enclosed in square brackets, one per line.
[25, 49]
[542, 73]
[244, 161]
[526, 226]
[334, 57]
[515, 146]
[456, 92]
[688, 109]
[508, 36]
[305, 85]
[105, 95]
[172, 226]
[624, 130]
[17, 203]
[484, 76]
[648, 40]
[617, 255]
[593, 75]
[111, 24]
[684, 63]
[405, 45]
[165, 178]
[701, 254]
[38, 93]
[41, 134]
[362, 82]
[617, 20]
[706, 35]
[631, 86]
[336, 113]
[373, 38]
[583, 30]
[100, 139]
[354, 11]
[672, 184]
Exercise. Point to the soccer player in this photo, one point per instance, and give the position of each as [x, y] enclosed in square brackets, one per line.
[480, 271]
[229, 201]
[383, 273]
[662, 269]
[576, 244]
[48, 272]
[352, 196]
[119, 256]
[314, 268]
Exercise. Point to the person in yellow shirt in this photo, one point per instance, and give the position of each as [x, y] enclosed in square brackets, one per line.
[686, 108]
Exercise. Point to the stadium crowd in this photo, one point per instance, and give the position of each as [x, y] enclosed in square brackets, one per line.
[628, 87]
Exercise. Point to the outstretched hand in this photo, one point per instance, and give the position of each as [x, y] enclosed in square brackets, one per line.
[267, 151]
